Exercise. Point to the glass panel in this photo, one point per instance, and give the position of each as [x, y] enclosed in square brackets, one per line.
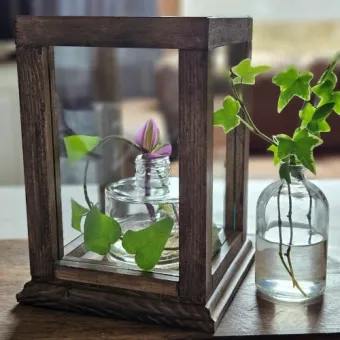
[219, 88]
[117, 104]
[228, 152]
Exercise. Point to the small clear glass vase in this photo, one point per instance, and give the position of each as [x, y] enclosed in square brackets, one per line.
[137, 202]
[291, 239]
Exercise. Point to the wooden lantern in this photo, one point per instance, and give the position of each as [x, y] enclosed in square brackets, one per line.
[198, 296]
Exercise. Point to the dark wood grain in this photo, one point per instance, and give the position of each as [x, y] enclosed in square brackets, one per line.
[240, 147]
[223, 32]
[19, 322]
[146, 32]
[38, 103]
[109, 276]
[226, 255]
[58, 239]
[248, 316]
[116, 305]
[195, 174]
[125, 303]
[37, 141]
[230, 282]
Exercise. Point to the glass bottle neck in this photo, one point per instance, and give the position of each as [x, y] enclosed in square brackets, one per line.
[297, 173]
[152, 172]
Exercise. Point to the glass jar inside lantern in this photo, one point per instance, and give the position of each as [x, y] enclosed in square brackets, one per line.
[137, 202]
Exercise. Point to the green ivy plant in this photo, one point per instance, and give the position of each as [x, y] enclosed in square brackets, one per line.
[101, 231]
[318, 102]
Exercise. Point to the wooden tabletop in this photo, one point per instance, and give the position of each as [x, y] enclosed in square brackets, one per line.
[247, 315]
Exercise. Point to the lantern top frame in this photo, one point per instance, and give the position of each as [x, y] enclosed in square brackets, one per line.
[190, 33]
[201, 282]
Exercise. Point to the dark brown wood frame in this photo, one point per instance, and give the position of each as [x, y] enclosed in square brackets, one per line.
[204, 288]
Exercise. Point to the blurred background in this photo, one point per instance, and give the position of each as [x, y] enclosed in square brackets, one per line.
[104, 91]
[140, 84]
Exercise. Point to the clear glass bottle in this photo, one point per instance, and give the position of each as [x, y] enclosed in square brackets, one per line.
[300, 239]
[139, 201]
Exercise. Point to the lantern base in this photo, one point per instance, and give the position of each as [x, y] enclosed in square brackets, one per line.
[136, 306]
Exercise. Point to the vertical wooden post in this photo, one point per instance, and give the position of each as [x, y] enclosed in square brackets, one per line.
[37, 139]
[195, 173]
[237, 159]
[55, 111]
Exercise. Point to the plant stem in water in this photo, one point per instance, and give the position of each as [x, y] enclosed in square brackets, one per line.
[280, 230]
[291, 232]
[291, 274]
[151, 209]
[309, 216]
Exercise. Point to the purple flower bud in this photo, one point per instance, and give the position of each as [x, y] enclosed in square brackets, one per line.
[162, 150]
[148, 135]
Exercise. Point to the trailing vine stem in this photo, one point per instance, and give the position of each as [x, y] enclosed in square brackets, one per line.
[280, 231]
[290, 220]
[101, 143]
[309, 216]
[290, 272]
[251, 125]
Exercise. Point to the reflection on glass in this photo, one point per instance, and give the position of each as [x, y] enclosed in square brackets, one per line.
[219, 90]
[141, 221]
[104, 92]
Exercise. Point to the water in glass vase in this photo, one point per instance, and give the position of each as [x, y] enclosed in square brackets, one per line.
[308, 256]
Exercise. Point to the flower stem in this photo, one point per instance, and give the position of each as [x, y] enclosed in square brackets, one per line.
[87, 198]
[149, 206]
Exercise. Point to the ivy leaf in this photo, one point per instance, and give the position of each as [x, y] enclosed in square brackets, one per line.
[78, 212]
[148, 244]
[317, 126]
[301, 145]
[292, 83]
[314, 119]
[329, 74]
[336, 99]
[273, 148]
[322, 112]
[100, 231]
[331, 77]
[285, 146]
[78, 146]
[324, 90]
[304, 143]
[246, 73]
[226, 117]
[284, 172]
[306, 114]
